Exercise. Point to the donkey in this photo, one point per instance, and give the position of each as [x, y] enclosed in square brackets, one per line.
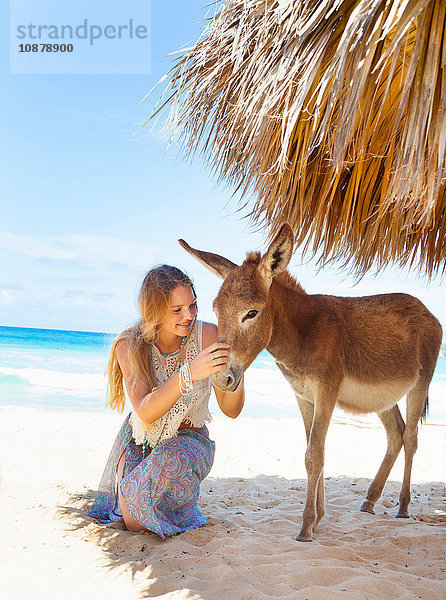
[361, 354]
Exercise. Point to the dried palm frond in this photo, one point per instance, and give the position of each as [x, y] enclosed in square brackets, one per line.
[333, 114]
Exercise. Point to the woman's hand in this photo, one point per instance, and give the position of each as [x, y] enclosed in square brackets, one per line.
[231, 403]
[211, 360]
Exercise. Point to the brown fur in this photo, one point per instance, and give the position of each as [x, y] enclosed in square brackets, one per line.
[362, 354]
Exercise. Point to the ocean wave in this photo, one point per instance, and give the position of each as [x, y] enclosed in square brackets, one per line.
[268, 388]
[267, 391]
[60, 380]
[264, 362]
[52, 360]
[265, 387]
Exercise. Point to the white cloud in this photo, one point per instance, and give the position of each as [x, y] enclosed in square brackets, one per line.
[34, 247]
[111, 249]
[71, 281]
[7, 297]
[11, 285]
[90, 251]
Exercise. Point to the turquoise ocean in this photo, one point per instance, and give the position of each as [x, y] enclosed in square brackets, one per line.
[64, 370]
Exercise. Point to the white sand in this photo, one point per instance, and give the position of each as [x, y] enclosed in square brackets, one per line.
[52, 462]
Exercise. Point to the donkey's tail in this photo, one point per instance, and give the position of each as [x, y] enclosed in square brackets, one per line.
[425, 412]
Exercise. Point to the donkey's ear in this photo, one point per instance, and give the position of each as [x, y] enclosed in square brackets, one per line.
[219, 265]
[276, 258]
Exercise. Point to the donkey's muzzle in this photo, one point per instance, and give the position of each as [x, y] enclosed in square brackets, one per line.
[227, 381]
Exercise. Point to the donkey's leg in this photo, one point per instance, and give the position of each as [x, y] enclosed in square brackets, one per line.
[416, 400]
[307, 411]
[394, 426]
[314, 458]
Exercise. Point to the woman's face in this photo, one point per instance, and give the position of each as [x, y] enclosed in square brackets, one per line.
[181, 312]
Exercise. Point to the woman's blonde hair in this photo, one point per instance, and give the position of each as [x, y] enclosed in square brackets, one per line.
[153, 303]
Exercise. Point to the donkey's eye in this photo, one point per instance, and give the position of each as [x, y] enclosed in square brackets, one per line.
[250, 315]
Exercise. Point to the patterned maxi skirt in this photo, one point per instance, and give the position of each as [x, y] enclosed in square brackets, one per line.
[160, 490]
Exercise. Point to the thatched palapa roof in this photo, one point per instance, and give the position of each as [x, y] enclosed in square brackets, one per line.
[332, 113]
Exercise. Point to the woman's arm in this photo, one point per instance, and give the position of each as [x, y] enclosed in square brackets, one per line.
[231, 403]
[152, 405]
[148, 405]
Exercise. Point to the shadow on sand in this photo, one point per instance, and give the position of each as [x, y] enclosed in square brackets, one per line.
[248, 545]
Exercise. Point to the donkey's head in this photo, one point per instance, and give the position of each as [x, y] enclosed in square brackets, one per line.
[243, 305]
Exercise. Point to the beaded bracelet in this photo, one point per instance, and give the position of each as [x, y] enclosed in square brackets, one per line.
[185, 383]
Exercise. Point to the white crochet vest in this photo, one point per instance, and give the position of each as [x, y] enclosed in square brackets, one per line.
[192, 407]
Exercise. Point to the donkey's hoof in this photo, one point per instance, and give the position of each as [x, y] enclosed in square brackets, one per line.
[403, 514]
[303, 538]
[367, 507]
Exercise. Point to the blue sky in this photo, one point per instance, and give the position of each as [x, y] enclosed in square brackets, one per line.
[87, 206]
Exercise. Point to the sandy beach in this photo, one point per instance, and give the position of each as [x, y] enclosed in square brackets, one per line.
[253, 499]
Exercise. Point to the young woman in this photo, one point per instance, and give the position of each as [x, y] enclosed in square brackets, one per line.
[163, 451]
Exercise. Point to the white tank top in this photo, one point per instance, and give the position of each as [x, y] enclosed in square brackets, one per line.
[192, 407]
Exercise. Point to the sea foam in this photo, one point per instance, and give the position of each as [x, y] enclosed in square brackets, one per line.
[60, 380]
